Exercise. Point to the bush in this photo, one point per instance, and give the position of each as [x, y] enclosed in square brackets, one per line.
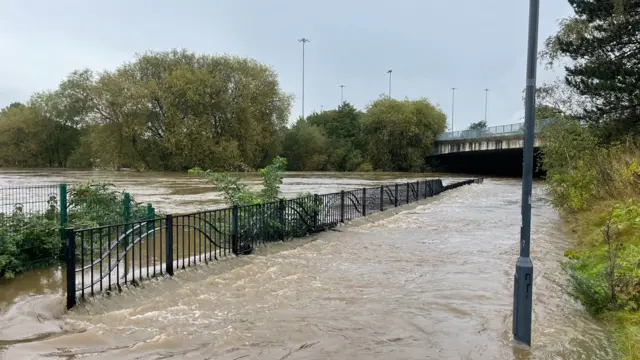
[237, 193]
[607, 276]
[365, 167]
[30, 241]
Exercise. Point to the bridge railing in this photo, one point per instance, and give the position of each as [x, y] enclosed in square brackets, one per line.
[104, 259]
[491, 131]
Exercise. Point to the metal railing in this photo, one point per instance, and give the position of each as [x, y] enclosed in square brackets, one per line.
[491, 131]
[103, 259]
[29, 199]
[31, 216]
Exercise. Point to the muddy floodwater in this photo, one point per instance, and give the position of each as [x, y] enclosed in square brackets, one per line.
[181, 192]
[433, 280]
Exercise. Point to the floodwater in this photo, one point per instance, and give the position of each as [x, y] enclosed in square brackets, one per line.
[433, 281]
[172, 192]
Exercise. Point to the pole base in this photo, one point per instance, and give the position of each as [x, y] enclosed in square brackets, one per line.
[523, 300]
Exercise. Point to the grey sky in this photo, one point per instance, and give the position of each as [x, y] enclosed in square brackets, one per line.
[431, 45]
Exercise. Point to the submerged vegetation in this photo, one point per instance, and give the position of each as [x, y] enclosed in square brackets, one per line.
[33, 240]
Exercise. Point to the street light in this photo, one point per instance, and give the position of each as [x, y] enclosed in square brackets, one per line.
[523, 277]
[303, 41]
[486, 99]
[389, 72]
[453, 106]
[341, 94]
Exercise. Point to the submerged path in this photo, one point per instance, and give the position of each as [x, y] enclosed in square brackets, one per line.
[432, 282]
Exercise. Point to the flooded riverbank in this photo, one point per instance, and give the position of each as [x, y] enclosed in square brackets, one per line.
[173, 192]
[433, 282]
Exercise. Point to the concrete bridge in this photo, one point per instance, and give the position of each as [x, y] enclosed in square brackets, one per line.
[499, 137]
[495, 150]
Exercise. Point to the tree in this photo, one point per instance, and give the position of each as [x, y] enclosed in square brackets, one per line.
[343, 129]
[480, 125]
[305, 147]
[398, 135]
[165, 110]
[601, 40]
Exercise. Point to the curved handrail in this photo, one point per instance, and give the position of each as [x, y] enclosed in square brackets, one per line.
[390, 195]
[115, 264]
[210, 224]
[113, 246]
[112, 266]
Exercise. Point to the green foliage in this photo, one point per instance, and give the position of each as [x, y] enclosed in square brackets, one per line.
[305, 146]
[397, 135]
[601, 39]
[607, 276]
[165, 110]
[581, 171]
[29, 241]
[480, 125]
[237, 193]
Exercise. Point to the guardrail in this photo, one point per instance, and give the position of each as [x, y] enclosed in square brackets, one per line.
[104, 259]
[491, 131]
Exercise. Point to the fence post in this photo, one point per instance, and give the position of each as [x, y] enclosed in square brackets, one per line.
[316, 213]
[281, 209]
[63, 214]
[425, 189]
[342, 206]
[396, 197]
[408, 191]
[364, 201]
[382, 198]
[169, 244]
[234, 229]
[151, 216]
[126, 218]
[71, 267]
[417, 190]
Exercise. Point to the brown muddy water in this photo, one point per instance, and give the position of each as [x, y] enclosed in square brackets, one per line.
[182, 193]
[432, 281]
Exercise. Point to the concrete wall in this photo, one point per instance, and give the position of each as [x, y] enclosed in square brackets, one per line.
[454, 146]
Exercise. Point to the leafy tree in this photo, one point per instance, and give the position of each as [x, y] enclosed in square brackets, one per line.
[343, 129]
[480, 125]
[601, 39]
[306, 147]
[398, 135]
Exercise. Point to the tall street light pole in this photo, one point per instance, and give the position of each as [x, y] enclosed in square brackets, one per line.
[303, 41]
[523, 277]
[486, 100]
[341, 94]
[389, 72]
[453, 106]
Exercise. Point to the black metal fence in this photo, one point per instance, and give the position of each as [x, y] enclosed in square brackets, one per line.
[104, 259]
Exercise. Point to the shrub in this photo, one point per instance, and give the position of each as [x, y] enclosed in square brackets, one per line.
[30, 241]
[237, 193]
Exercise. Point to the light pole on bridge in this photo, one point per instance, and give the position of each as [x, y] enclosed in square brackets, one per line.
[453, 106]
[523, 277]
[486, 102]
[303, 41]
[389, 72]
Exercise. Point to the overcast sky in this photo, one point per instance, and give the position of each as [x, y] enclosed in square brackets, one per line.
[431, 45]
